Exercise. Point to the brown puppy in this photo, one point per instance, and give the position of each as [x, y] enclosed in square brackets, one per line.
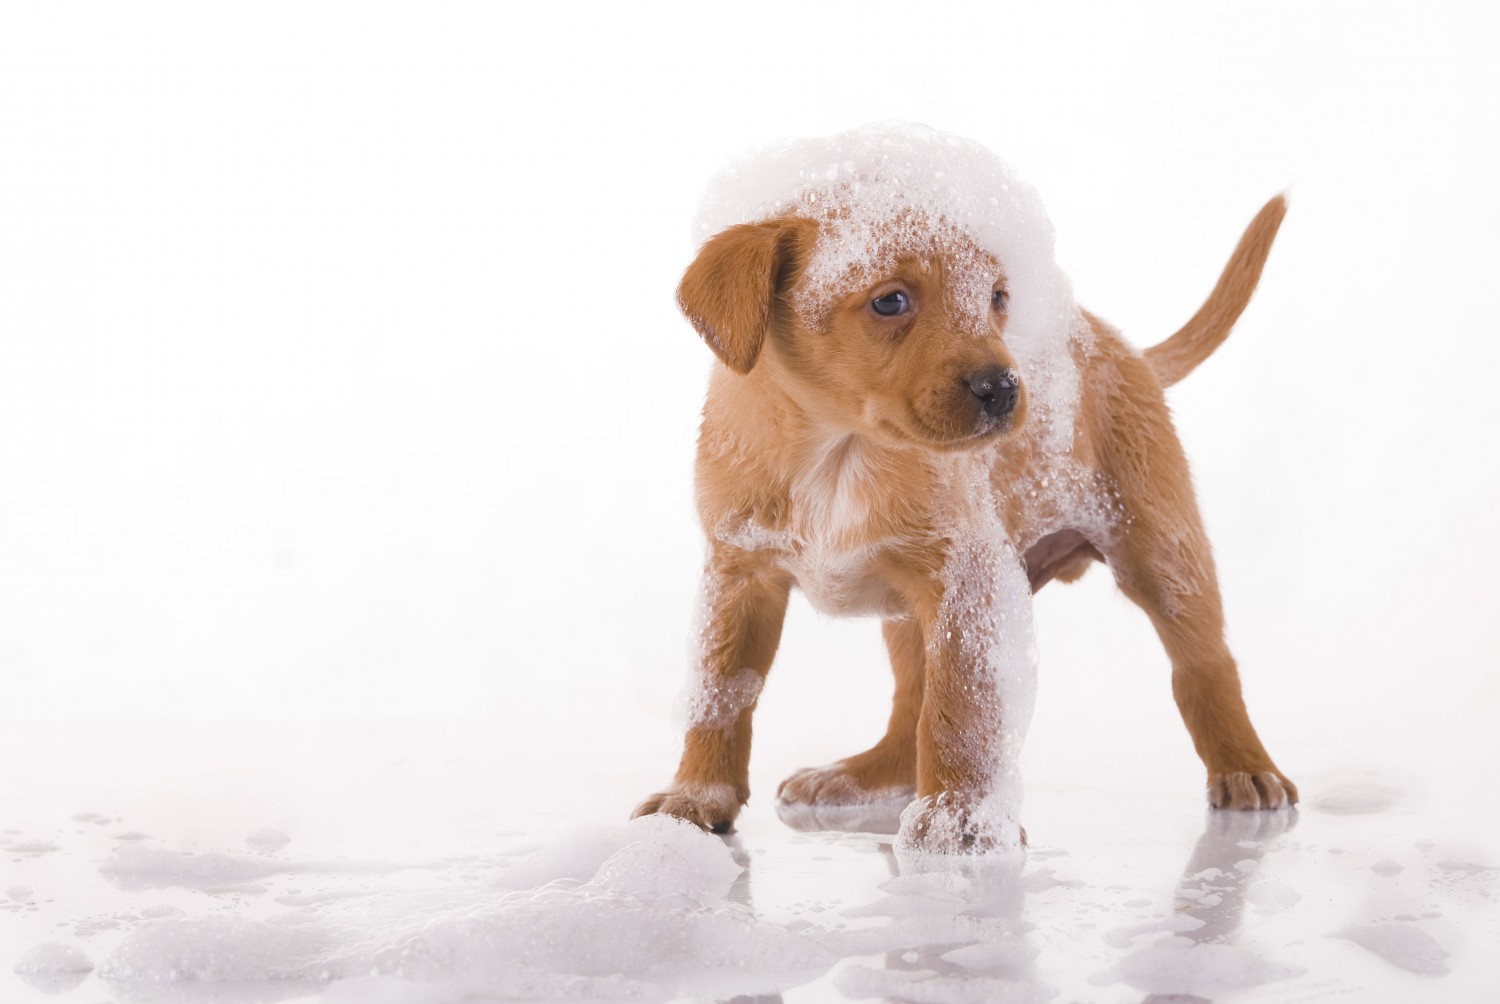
[913, 419]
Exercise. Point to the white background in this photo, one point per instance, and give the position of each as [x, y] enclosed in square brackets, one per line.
[340, 375]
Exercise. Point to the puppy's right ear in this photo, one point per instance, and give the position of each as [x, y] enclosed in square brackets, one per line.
[729, 291]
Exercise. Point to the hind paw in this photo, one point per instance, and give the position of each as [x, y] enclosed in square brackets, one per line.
[1267, 789]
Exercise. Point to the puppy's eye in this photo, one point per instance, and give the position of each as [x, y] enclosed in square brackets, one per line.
[891, 304]
[999, 301]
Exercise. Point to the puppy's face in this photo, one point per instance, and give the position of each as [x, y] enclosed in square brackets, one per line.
[907, 349]
[904, 356]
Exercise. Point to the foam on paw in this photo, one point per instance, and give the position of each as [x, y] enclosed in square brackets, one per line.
[952, 822]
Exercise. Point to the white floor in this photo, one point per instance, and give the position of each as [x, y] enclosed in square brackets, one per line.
[268, 862]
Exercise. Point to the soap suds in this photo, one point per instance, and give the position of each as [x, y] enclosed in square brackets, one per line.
[1178, 965]
[985, 627]
[1406, 946]
[53, 959]
[887, 191]
[639, 910]
[712, 698]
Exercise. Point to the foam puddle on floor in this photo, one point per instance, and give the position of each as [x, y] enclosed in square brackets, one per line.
[633, 911]
[649, 910]
[404, 885]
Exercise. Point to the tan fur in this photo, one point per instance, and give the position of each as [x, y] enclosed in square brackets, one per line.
[1179, 355]
[828, 459]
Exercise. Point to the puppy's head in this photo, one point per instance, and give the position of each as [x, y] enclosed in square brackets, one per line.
[904, 343]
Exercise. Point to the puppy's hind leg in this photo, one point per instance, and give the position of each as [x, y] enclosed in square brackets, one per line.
[884, 776]
[1163, 562]
[1205, 680]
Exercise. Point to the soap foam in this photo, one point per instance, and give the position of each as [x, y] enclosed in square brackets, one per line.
[882, 192]
[711, 698]
[639, 910]
[1403, 945]
[1178, 965]
[53, 959]
[986, 621]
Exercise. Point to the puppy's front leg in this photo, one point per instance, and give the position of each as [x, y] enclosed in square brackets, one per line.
[743, 604]
[980, 690]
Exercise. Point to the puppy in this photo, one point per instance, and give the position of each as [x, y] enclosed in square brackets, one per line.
[914, 420]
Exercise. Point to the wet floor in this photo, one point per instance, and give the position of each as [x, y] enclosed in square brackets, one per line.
[383, 863]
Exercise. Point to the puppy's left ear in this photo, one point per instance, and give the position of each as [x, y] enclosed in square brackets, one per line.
[729, 291]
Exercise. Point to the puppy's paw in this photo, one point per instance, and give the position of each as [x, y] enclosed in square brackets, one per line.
[856, 781]
[1267, 789]
[841, 796]
[954, 823]
[711, 806]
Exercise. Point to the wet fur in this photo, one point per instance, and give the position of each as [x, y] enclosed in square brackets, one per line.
[827, 459]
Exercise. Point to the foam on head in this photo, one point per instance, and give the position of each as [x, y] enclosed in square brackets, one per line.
[882, 192]
[856, 183]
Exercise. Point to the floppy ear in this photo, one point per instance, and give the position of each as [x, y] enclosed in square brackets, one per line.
[729, 290]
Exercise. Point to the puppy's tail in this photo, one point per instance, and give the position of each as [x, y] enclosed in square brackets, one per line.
[1179, 355]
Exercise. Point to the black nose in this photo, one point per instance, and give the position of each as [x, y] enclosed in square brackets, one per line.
[997, 389]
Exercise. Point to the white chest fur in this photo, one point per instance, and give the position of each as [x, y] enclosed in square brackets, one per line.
[828, 548]
[832, 493]
[844, 582]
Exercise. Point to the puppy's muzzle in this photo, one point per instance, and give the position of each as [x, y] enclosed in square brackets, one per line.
[997, 390]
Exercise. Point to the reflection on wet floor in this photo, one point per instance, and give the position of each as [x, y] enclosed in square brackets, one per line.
[1225, 858]
[1233, 923]
[959, 930]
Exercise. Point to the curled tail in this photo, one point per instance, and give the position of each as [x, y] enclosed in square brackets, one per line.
[1179, 355]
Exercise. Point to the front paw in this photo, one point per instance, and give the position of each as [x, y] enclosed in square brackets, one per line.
[952, 822]
[711, 806]
[1266, 789]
